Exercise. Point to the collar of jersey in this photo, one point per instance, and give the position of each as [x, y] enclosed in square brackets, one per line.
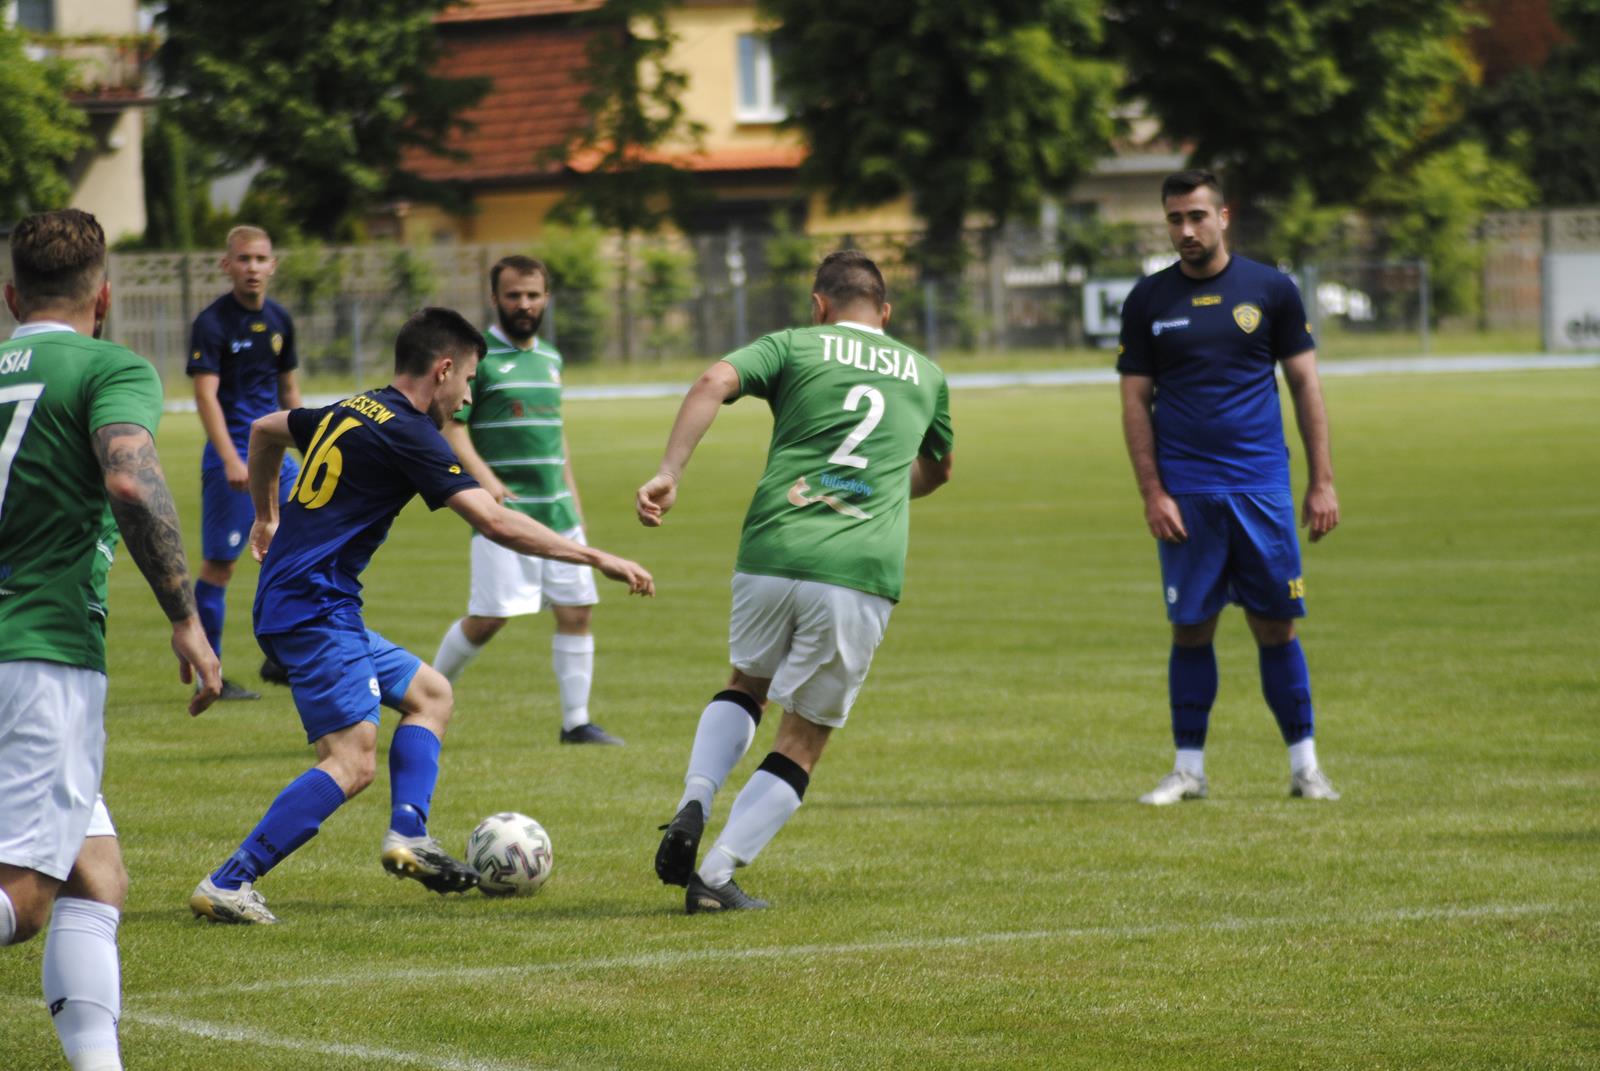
[39, 327]
[858, 327]
[494, 329]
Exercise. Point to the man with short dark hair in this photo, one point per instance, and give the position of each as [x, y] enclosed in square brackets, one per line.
[366, 456]
[242, 360]
[1200, 344]
[77, 464]
[861, 425]
[511, 439]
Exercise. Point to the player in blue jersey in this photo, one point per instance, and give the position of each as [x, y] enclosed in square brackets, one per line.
[1201, 342]
[242, 361]
[366, 456]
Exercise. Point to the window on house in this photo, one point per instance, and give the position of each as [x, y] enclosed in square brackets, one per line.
[36, 15]
[758, 94]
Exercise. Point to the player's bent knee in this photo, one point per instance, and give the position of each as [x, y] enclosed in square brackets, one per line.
[429, 698]
[31, 894]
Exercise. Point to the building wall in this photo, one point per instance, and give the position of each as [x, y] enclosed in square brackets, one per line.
[501, 216]
[97, 16]
[112, 186]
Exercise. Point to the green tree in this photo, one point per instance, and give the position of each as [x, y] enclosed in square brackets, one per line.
[328, 96]
[966, 108]
[1324, 94]
[577, 312]
[1548, 118]
[634, 110]
[41, 132]
[1432, 210]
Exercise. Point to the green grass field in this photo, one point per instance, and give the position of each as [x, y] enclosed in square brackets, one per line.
[970, 883]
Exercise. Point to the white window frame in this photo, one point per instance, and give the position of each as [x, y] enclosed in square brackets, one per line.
[765, 108]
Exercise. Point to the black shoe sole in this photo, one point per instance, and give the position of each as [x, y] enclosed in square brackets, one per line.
[445, 881]
[676, 854]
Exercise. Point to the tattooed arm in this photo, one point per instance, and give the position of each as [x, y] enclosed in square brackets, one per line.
[143, 507]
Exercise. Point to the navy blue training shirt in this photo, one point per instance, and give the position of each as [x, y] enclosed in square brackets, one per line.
[364, 459]
[1212, 347]
[246, 350]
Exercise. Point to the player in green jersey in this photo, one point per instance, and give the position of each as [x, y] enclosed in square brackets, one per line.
[77, 463]
[861, 425]
[510, 438]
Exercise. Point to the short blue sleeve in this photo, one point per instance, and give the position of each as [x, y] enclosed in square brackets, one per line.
[205, 347]
[1133, 350]
[1291, 332]
[432, 466]
[303, 425]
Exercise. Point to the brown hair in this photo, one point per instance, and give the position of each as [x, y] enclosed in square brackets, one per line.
[58, 258]
[521, 265]
[849, 275]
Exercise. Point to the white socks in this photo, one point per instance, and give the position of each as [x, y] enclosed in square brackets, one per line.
[572, 657]
[1190, 761]
[83, 982]
[1303, 755]
[727, 726]
[456, 652]
[8, 919]
[761, 809]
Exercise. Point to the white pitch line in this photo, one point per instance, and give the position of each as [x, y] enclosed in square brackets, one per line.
[368, 1054]
[678, 958]
[1082, 377]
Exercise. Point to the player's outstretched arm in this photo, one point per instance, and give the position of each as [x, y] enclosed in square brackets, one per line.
[142, 506]
[1320, 511]
[1160, 511]
[716, 385]
[525, 535]
[269, 438]
[459, 436]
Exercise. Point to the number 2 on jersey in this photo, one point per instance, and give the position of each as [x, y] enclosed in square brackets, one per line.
[321, 474]
[852, 402]
[24, 395]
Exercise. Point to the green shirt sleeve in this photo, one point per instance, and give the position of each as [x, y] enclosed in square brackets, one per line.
[940, 437]
[125, 390]
[760, 364]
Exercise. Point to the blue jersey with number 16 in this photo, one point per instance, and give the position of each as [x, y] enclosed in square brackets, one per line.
[365, 457]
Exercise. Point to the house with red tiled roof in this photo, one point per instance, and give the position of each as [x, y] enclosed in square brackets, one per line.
[534, 53]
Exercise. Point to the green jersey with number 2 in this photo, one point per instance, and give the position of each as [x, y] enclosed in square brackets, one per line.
[852, 409]
[57, 536]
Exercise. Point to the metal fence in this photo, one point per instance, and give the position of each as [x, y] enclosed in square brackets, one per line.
[1022, 289]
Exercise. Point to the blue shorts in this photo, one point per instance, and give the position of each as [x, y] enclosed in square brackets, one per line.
[340, 676]
[1242, 548]
[226, 515]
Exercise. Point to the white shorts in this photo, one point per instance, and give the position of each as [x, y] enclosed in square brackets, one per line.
[508, 584]
[814, 641]
[52, 752]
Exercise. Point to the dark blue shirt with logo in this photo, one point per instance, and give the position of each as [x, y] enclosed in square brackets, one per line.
[246, 350]
[365, 457]
[1212, 347]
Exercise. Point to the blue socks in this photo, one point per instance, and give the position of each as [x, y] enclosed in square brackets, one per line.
[210, 602]
[413, 771]
[1192, 688]
[294, 818]
[1286, 683]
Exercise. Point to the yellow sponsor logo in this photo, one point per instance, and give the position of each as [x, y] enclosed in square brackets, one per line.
[258, 327]
[1297, 588]
[196, 356]
[277, 343]
[1247, 316]
[1201, 300]
[1120, 349]
[455, 470]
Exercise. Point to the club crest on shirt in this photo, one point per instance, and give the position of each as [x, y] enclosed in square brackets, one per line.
[1247, 316]
[277, 343]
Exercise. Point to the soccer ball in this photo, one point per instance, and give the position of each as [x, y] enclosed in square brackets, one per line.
[511, 853]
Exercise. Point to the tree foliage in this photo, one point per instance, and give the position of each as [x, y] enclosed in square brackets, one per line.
[1548, 118]
[41, 132]
[968, 108]
[1328, 94]
[327, 96]
[1432, 210]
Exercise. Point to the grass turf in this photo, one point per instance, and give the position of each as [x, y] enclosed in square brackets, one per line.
[969, 883]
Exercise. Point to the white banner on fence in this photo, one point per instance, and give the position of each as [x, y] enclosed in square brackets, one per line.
[1102, 306]
[1571, 301]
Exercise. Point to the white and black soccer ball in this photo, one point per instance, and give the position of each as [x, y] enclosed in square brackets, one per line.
[511, 853]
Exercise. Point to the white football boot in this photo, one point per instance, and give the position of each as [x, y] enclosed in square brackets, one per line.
[1312, 784]
[1176, 786]
[242, 905]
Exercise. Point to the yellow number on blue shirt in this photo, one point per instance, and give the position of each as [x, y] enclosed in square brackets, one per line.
[320, 476]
